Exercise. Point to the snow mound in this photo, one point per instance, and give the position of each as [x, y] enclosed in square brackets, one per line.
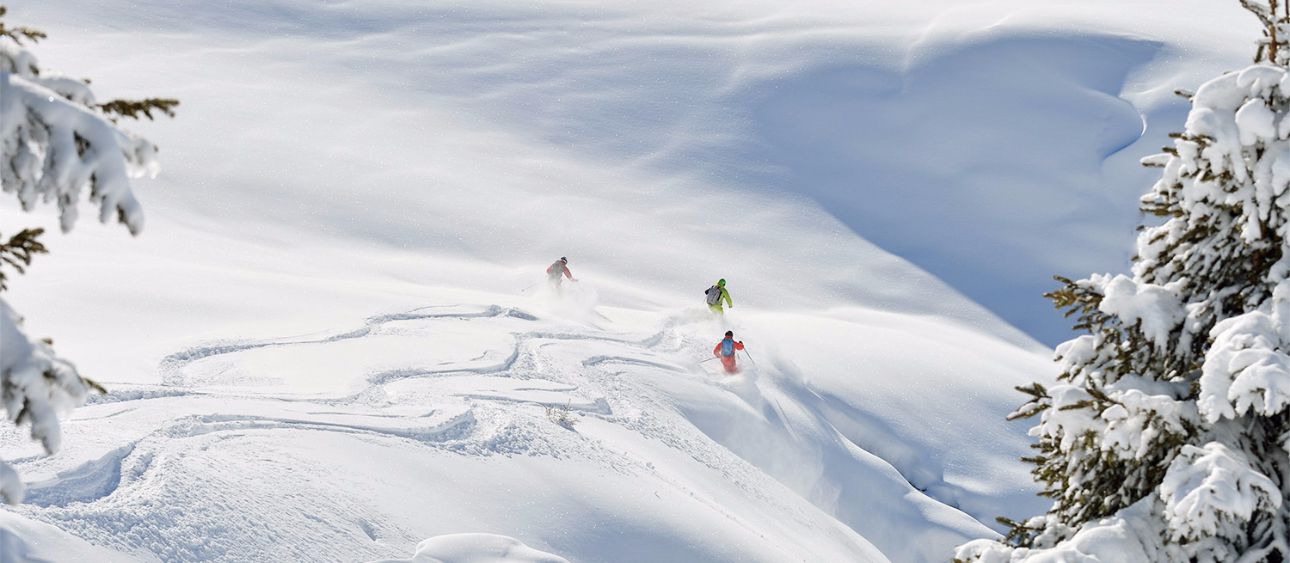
[25, 541]
[477, 548]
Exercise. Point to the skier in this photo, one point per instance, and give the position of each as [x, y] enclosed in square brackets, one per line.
[726, 351]
[716, 294]
[556, 270]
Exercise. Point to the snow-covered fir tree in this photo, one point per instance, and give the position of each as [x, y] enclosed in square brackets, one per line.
[1167, 435]
[1274, 46]
[56, 143]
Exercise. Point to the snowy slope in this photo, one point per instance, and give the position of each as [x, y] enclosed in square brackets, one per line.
[450, 436]
[944, 132]
[417, 166]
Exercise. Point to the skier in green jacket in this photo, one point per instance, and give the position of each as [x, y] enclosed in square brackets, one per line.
[716, 294]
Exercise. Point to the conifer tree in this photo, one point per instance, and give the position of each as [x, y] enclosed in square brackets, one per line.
[56, 143]
[1166, 436]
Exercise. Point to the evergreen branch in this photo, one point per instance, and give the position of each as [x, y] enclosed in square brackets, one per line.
[94, 385]
[1260, 11]
[19, 251]
[1077, 405]
[133, 108]
[18, 34]
[1035, 390]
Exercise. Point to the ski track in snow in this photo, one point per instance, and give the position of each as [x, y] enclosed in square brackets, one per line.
[125, 497]
[176, 361]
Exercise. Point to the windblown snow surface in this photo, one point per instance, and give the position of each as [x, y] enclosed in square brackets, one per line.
[327, 344]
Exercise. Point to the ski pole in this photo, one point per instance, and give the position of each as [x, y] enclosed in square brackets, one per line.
[529, 287]
[708, 360]
[750, 360]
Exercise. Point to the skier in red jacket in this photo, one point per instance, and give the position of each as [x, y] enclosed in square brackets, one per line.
[726, 351]
[558, 269]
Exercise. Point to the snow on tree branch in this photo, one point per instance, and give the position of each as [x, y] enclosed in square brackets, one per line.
[57, 145]
[1247, 369]
[55, 148]
[35, 387]
[58, 142]
[1213, 487]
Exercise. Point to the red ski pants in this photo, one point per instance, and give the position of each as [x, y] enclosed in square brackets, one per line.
[729, 363]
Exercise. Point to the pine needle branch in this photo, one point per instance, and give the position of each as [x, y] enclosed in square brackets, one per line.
[19, 251]
[20, 33]
[133, 108]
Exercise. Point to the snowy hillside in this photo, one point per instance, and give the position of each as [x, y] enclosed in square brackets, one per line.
[432, 420]
[322, 346]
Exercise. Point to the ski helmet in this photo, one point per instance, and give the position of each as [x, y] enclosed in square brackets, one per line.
[721, 282]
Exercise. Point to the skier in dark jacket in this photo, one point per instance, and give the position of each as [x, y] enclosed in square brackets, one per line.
[726, 351]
